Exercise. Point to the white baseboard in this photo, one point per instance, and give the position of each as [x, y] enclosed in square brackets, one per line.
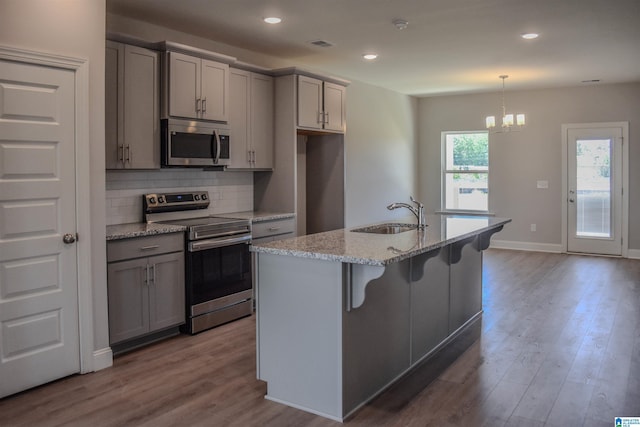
[526, 246]
[102, 358]
[633, 253]
[544, 247]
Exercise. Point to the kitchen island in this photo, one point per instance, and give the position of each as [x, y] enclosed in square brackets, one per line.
[343, 314]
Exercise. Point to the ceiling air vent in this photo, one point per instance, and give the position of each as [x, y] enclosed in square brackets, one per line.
[321, 43]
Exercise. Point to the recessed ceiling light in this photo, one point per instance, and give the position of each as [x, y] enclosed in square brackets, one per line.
[370, 56]
[273, 20]
[400, 24]
[529, 36]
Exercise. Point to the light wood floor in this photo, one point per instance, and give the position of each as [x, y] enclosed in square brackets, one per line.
[560, 346]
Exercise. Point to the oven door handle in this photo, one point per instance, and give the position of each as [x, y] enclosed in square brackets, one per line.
[203, 245]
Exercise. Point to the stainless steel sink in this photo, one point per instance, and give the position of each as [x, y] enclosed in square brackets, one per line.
[386, 228]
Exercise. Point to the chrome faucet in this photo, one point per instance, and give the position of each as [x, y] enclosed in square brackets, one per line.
[417, 210]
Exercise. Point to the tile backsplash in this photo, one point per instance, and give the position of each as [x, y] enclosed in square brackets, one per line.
[229, 191]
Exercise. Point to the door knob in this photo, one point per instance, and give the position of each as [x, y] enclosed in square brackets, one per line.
[571, 200]
[68, 238]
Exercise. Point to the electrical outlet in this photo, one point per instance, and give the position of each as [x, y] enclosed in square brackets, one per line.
[533, 227]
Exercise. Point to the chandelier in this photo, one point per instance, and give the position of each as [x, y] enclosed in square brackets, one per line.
[507, 119]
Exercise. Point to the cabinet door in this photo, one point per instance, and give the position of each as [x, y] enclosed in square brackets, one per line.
[184, 85]
[310, 113]
[465, 294]
[429, 302]
[262, 117]
[128, 299]
[334, 107]
[166, 291]
[141, 109]
[114, 107]
[215, 84]
[239, 118]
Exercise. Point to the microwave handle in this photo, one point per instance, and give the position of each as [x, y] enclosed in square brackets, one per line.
[216, 158]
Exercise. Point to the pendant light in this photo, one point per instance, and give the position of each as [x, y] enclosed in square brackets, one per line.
[508, 124]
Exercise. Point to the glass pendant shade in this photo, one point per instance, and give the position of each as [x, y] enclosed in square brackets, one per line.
[508, 122]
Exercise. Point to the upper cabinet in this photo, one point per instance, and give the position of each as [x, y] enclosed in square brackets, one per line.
[132, 120]
[198, 88]
[321, 105]
[251, 118]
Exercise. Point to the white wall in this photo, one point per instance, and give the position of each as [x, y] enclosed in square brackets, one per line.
[381, 147]
[517, 160]
[73, 28]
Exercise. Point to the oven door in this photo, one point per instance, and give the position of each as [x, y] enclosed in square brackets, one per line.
[217, 269]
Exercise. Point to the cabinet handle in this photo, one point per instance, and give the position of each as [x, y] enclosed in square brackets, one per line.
[204, 105]
[146, 276]
[274, 228]
[327, 118]
[128, 158]
[198, 100]
[248, 156]
[153, 278]
[320, 117]
[121, 153]
[150, 247]
[253, 156]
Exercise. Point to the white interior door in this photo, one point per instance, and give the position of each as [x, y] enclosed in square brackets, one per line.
[39, 333]
[594, 184]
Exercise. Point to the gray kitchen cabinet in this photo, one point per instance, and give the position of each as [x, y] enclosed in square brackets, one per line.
[251, 115]
[275, 229]
[145, 294]
[132, 107]
[465, 295]
[268, 231]
[429, 301]
[198, 88]
[321, 105]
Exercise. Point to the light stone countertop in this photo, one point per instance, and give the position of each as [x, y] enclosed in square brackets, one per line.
[259, 216]
[353, 247]
[141, 229]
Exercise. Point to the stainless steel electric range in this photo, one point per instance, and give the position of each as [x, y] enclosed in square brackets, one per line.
[218, 285]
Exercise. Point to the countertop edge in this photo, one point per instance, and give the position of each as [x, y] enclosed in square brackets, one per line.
[134, 230]
[373, 261]
[141, 229]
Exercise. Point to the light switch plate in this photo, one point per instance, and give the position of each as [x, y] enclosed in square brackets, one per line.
[543, 184]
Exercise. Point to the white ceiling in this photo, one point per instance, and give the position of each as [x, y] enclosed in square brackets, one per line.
[450, 46]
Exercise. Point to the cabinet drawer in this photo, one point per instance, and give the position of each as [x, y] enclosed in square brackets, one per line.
[144, 246]
[272, 228]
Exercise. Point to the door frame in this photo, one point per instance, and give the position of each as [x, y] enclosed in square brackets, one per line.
[625, 178]
[80, 68]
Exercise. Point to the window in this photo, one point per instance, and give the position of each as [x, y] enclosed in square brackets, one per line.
[465, 170]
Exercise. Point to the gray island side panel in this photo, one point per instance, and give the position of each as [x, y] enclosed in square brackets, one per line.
[299, 328]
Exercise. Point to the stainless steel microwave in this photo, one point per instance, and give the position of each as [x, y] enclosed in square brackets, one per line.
[189, 143]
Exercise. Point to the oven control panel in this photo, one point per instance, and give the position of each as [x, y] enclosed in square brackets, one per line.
[163, 202]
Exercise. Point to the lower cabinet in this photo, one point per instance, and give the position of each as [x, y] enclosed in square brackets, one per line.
[275, 229]
[146, 294]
